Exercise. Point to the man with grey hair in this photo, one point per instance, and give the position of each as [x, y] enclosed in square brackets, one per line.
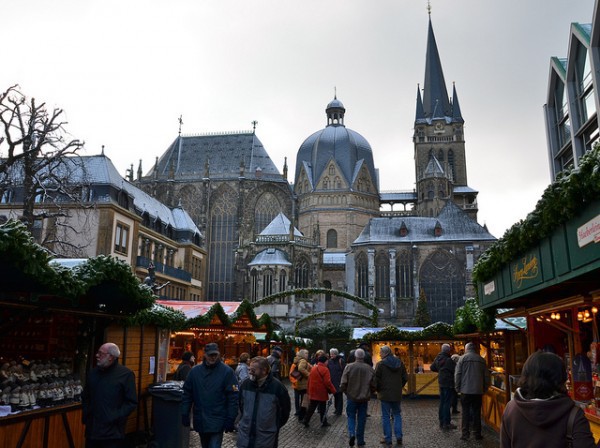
[336, 365]
[471, 379]
[444, 365]
[390, 378]
[358, 383]
[108, 398]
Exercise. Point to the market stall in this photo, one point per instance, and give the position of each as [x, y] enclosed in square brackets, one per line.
[417, 347]
[232, 325]
[547, 269]
[53, 320]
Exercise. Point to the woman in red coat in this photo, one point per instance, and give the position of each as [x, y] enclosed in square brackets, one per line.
[319, 388]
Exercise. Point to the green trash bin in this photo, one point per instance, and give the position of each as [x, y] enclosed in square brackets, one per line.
[166, 416]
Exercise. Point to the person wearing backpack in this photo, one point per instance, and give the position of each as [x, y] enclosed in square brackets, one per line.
[541, 414]
[300, 384]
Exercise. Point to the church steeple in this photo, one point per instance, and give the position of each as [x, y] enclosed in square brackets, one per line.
[436, 103]
[420, 114]
[456, 115]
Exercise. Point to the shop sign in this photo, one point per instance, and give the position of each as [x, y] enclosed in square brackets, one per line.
[589, 232]
[489, 288]
[525, 269]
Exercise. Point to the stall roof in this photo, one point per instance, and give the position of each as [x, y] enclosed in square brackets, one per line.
[359, 333]
[193, 309]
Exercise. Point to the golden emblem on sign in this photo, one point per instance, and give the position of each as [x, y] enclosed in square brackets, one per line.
[526, 269]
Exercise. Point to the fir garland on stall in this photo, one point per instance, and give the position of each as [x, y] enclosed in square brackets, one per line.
[570, 193]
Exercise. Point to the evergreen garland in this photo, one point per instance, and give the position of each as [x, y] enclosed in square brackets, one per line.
[438, 330]
[571, 192]
[372, 319]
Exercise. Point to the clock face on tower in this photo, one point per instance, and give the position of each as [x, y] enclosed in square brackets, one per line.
[439, 127]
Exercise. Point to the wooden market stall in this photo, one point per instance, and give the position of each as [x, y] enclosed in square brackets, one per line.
[417, 347]
[547, 269]
[52, 321]
[232, 325]
[505, 351]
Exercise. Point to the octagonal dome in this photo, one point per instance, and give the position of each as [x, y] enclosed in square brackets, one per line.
[349, 149]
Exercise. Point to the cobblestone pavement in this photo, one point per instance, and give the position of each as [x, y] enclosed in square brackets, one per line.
[419, 424]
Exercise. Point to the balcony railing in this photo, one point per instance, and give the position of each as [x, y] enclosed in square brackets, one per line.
[177, 273]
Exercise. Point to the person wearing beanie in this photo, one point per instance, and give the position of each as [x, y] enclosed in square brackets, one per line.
[444, 365]
[187, 362]
[390, 378]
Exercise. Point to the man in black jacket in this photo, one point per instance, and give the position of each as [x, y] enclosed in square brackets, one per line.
[445, 366]
[108, 398]
[265, 407]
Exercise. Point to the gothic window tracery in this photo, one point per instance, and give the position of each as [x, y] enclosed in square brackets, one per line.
[267, 208]
[404, 274]
[382, 275]
[362, 272]
[332, 239]
[443, 281]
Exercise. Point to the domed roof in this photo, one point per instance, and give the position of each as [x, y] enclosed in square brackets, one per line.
[335, 103]
[346, 147]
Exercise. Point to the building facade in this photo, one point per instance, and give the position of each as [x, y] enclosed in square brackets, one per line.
[572, 100]
[110, 216]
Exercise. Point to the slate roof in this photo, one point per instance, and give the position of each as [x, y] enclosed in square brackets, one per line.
[97, 171]
[433, 168]
[279, 226]
[188, 155]
[456, 226]
[398, 196]
[272, 257]
[347, 147]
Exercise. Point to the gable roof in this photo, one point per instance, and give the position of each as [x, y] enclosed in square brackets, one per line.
[456, 225]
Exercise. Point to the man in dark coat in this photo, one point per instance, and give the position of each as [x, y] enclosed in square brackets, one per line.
[471, 380]
[264, 405]
[274, 360]
[211, 389]
[108, 398]
[445, 366]
[336, 365]
[390, 378]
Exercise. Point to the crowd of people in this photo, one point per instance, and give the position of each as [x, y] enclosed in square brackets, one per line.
[253, 401]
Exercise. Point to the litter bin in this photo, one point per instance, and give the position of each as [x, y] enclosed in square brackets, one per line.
[166, 416]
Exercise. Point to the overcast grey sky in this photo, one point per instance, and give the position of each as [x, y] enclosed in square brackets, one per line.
[124, 71]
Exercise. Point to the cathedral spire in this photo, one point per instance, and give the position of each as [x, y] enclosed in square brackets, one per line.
[420, 114]
[436, 103]
[456, 114]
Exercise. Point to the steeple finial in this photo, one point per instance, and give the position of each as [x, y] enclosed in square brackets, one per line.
[254, 123]
[180, 123]
[102, 149]
[334, 92]
[429, 7]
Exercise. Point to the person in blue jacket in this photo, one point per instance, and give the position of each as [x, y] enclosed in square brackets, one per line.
[210, 392]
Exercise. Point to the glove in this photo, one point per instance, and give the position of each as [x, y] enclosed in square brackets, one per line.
[229, 425]
[185, 420]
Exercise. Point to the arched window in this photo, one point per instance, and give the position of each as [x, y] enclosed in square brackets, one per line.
[443, 281]
[362, 274]
[327, 285]
[382, 276]
[440, 156]
[223, 241]
[326, 183]
[254, 285]
[331, 169]
[332, 242]
[282, 284]
[338, 183]
[267, 208]
[404, 275]
[301, 274]
[451, 164]
[267, 282]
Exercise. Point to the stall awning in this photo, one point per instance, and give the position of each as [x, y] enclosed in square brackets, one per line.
[359, 333]
[193, 309]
